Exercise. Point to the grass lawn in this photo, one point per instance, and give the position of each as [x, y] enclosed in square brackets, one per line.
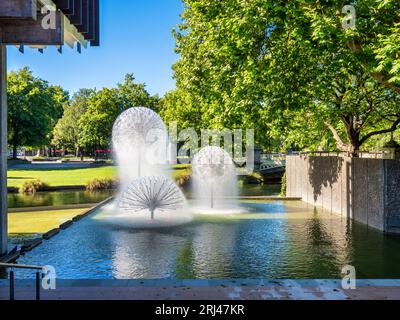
[74, 177]
[60, 177]
[39, 221]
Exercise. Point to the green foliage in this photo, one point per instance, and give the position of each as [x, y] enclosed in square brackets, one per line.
[288, 70]
[34, 107]
[39, 158]
[31, 187]
[101, 184]
[182, 177]
[97, 122]
[104, 107]
[88, 120]
[283, 186]
[68, 129]
[252, 178]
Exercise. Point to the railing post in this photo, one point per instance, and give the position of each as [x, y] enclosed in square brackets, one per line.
[12, 285]
[38, 274]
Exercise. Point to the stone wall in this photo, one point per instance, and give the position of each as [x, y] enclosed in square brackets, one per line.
[366, 190]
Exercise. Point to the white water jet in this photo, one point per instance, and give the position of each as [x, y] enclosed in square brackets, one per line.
[151, 194]
[151, 201]
[140, 142]
[147, 196]
[214, 182]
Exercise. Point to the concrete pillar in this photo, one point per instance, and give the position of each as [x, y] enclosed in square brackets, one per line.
[3, 150]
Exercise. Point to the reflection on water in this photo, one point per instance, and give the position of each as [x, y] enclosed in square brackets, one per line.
[273, 240]
[58, 198]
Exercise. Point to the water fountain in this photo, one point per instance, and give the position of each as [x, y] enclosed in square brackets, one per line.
[140, 143]
[214, 181]
[151, 194]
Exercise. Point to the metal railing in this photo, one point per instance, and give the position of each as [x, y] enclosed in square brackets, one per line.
[39, 272]
[360, 154]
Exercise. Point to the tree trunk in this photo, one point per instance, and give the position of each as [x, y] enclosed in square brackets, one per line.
[15, 151]
[353, 138]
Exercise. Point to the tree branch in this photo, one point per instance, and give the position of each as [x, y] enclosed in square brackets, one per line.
[378, 76]
[374, 133]
[339, 142]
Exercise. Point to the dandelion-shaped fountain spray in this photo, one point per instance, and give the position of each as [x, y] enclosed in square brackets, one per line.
[135, 131]
[140, 142]
[214, 177]
[152, 193]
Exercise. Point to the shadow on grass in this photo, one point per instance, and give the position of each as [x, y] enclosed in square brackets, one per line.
[20, 178]
[58, 169]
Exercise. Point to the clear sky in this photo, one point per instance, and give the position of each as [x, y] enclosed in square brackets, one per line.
[135, 38]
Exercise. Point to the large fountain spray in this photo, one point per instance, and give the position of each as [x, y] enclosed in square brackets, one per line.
[135, 133]
[140, 143]
[214, 180]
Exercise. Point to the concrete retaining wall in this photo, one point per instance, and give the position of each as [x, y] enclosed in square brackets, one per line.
[366, 190]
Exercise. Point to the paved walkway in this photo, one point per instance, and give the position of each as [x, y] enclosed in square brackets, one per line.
[207, 290]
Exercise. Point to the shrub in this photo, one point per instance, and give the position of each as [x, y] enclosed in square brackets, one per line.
[283, 187]
[101, 184]
[182, 178]
[44, 159]
[31, 187]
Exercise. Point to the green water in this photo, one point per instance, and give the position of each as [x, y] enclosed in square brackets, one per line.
[58, 198]
[61, 198]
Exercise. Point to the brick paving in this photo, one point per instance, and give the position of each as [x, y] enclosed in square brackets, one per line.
[207, 290]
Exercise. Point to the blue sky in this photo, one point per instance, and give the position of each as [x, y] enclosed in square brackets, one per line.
[135, 38]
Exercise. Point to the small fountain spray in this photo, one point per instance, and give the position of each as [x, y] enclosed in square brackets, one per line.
[152, 193]
[214, 177]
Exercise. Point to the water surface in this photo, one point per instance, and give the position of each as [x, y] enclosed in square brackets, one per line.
[59, 198]
[275, 239]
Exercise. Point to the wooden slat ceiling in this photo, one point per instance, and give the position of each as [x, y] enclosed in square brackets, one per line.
[84, 15]
[77, 22]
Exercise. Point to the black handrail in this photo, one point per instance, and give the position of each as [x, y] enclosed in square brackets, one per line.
[39, 272]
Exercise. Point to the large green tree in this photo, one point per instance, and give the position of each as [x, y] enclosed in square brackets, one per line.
[97, 122]
[281, 67]
[68, 130]
[34, 108]
[104, 107]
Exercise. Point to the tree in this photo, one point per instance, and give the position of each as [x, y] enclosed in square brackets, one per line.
[359, 107]
[177, 106]
[375, 40]
[135, 94]
[97, 122]
[277, 66]
[33, 109]
[68, 130]
[104, 107]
